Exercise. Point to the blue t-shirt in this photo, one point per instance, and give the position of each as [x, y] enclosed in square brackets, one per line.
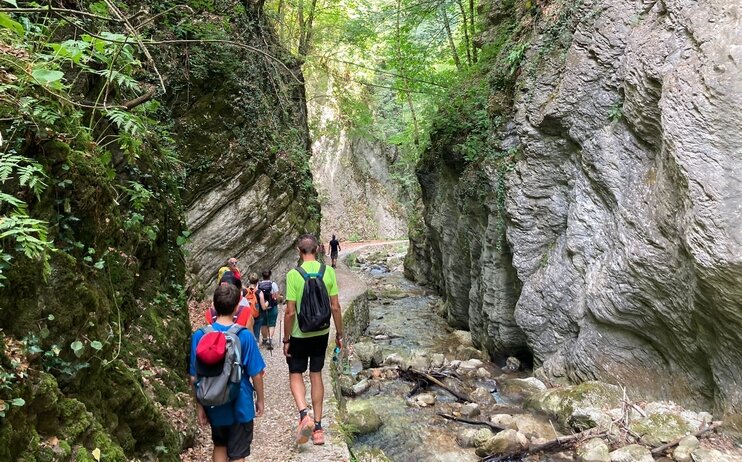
[242, 410]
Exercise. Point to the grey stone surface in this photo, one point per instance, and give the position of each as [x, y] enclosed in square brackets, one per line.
[594, 450]
[632, 453]
[623, 252]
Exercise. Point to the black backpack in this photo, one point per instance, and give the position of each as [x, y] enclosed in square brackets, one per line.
[266, 287]
[314, 312]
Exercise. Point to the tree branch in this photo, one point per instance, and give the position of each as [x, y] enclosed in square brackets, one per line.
[58, 10]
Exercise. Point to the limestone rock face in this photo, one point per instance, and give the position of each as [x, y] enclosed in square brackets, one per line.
[622, 252]
[352, 173]
[249, 191]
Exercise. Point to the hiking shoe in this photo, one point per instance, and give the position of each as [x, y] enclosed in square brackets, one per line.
[269, 344]
[318, 437]
[306, 425]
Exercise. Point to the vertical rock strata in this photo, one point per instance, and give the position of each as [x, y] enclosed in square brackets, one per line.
[623, 251]
[241, 125]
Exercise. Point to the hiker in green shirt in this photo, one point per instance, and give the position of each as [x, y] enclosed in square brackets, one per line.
[303, 347]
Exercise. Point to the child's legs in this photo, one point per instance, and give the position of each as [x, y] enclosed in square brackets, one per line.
[220, 454]
[257, 326]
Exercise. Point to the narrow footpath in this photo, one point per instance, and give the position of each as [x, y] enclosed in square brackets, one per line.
[274, 439]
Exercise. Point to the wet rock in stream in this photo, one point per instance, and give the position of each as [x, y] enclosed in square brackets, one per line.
[504, 442]
[594, 450]
[361, 417]
[369, 353]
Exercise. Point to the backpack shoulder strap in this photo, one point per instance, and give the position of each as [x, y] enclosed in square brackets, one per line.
[235, 329]
[207, 329]
[321, 273]
[302, 272]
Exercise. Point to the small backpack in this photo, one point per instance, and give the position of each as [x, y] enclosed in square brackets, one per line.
[267, 288]
[314, 312]
[218, 366]
[252, 298]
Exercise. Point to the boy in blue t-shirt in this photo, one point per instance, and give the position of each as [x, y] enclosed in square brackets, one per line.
[232, 423]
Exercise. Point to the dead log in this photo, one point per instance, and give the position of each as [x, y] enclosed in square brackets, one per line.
[430, 379]
[494, 427]
[561, 442]
[660, 449]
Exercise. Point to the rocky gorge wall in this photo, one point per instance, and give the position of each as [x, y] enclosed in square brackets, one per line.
[604, 240]
[352, 173]
[93, 352]
[241, 122]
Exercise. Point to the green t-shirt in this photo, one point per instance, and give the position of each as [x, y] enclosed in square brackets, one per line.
[295, 289]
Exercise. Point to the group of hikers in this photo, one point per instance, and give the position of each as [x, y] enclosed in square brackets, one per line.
[226, 367]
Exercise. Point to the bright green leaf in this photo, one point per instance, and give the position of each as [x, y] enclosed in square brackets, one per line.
[50, 317]
[96, 345]
[96, 454]
[77, 348]
[8, 23]
[11, 2]
[18, 402]
[47, 76]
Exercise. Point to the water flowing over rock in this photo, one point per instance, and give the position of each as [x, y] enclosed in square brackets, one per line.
[621, 256]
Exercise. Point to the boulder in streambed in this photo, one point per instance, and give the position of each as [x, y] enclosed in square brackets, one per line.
[504, 421]
[512, 364]
[710, 455]
[534, 427]
[419, 361]
[632, 453]
[371, 455]
[482, 396]
[369, 353]
[563, 403]
[464, 337]
[594, 450]
[657, 429]
[437, 361]
[396, 359]
[346, 385]
[361, 417]
[687, 445]
[425, 399]
[518, 390]
[505, 442]
[473, 438]
[470, 410]
[468, 352]
[361, 387]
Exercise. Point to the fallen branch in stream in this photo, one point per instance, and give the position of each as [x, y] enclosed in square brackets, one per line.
[660, 449]
[495, 428]
[424, 376]
[561, 442]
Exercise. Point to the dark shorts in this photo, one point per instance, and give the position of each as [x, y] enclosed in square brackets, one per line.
[310, 350]
[270, 316]
[333, 255]
[237, 438]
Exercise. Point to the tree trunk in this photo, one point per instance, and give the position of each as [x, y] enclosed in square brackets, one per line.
[405, 82]
[447, 25]
[472, 15]
[306, 39]
[467, 40]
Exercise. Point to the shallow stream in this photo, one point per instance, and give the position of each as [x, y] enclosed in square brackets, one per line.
[404, 321]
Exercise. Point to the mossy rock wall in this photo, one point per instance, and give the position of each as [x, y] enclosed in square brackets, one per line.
[93, 356]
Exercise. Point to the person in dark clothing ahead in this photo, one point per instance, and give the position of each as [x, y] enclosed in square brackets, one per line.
[334, 249]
